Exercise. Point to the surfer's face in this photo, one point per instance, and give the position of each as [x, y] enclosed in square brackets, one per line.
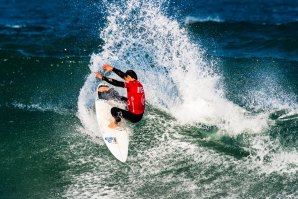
[128, 78]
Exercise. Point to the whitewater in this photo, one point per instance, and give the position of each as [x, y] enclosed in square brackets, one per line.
[185, 93]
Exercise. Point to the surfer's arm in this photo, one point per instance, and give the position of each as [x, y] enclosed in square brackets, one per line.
[108, 68]
[119, 72]
[113, 82]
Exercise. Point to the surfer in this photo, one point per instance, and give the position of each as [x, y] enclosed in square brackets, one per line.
[135, 95]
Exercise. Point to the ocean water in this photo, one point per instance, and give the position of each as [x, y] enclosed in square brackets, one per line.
[221, 82]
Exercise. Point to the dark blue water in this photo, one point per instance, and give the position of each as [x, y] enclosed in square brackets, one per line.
[221, 85]
[246, 28]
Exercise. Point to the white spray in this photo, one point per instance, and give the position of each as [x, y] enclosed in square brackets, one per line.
[175, 75]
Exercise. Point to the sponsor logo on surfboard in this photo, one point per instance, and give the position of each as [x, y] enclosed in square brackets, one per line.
[111, 140]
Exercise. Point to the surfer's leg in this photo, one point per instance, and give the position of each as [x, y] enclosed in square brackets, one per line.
[134, 118]
[123, 99]
[119, 113]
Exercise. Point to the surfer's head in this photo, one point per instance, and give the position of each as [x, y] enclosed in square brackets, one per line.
[130, 75]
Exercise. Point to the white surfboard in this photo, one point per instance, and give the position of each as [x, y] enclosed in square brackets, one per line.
[117, 139]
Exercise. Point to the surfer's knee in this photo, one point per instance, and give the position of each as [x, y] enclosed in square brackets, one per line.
[116, 113]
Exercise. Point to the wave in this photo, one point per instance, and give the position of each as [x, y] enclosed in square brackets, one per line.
[41, 108]
[188, 20]
[176, 76]
[14, 26]
[192, 20]
[29, 29]
[181, 81]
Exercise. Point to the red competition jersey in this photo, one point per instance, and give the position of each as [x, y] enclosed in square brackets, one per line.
[135, 96]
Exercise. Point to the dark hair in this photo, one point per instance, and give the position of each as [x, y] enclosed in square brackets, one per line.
[131, 73]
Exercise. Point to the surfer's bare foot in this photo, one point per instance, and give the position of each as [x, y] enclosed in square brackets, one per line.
[113, 125]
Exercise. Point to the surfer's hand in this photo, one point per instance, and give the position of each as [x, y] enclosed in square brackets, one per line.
[107, 67]
[98, 75]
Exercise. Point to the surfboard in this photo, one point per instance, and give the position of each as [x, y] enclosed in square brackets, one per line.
[117, 140]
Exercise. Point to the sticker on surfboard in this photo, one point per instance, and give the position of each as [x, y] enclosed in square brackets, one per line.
[111, 140]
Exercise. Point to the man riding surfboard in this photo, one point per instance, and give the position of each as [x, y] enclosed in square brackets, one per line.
[135, 95]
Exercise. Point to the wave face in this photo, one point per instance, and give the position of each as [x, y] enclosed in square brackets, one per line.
[193, 99]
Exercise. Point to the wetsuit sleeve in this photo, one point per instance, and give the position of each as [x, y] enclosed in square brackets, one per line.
[119, 72]
[113, 82]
